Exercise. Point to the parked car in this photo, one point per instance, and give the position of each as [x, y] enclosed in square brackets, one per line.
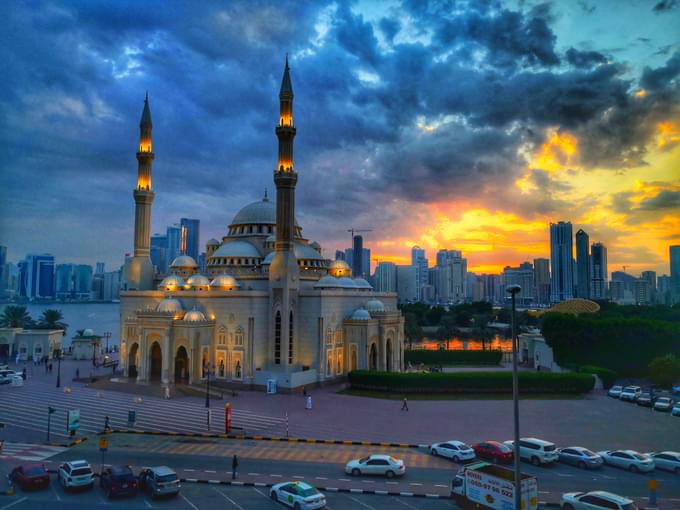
[454, 450]
[536, 451]
[118, 481]
[668, 461]
[630, 393]
[628, 459]
[30, 477]
[676, 409]
[159, 481]
[493, 451]
[663, 404]
[376, 464]
[615, 391]
[594, 500]
[645, 399]
[299, 495]
[580, 457]
[76, 474]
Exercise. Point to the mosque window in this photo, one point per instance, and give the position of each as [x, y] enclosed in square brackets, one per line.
[238, 337]
[277, 338]
[222, 336]
[290, 339]
[329, 336]
[259, 229]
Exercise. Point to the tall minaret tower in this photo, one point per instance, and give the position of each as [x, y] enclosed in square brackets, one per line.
[284, 274]
[139, 270]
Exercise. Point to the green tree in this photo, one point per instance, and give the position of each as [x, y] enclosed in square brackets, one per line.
[52, 319]
[665, 370]
[16, 317]
[412, 330]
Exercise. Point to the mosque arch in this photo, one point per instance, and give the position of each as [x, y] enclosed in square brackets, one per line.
[277, 338]
[373, 357]
[388, 354]
[181, 365]
[133, 360]
[155, 362]
[353, 361]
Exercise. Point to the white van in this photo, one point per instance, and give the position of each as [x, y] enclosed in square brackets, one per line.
[536, 451]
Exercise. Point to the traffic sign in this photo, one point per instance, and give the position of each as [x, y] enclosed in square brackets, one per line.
[103, 444]
[651, 485]
[72, 420]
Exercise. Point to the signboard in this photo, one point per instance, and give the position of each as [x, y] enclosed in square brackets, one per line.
[498, 493]
[227, 418]
[651, 485]
[103, 444]
[72, 420]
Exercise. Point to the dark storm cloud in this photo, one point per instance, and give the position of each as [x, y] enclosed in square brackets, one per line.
[585, 58]
[665, 5]
[660, 78]
[664, 200]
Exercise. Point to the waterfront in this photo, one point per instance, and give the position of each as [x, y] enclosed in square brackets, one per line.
[464, 344]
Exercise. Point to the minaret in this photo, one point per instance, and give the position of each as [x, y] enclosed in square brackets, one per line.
[139, 270]
[283, 272]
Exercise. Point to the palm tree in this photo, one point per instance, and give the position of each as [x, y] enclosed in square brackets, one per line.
[51, 319]
[16, 317]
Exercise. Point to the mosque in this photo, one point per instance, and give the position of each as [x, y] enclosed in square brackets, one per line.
[270, 306]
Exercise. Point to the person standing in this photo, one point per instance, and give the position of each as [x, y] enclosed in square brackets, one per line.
[107, 424]
[234, 465]
[404, 405]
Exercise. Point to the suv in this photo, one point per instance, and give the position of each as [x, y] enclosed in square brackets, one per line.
[630, 393]
[535, 450]
[118, 481]
[76, 474]
[615, 391]
[159, 481]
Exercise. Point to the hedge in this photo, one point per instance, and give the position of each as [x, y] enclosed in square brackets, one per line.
[607, 376]
[458, 357]
[471, 382]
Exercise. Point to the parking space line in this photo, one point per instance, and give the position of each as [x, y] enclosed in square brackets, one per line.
[365, 505]
[228, 499]
[54, 491]
[14, 503]
[405, 503]
[188, 502]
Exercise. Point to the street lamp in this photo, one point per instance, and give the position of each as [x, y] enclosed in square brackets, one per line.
[207, 386]
[50, 410]
[107, 335]
[513, 290]
[59, 368]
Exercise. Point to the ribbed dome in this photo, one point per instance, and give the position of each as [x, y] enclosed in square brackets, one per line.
[327, 282]
[362, 284]
[194, 316]
[339, 268]
[224, 282]
[262, 212]
[198, 280]
[237, 248]
[361, 314]
[88, 332]
[213, 242]
[576, 306]
[184, 261]
[347, 283]
[375, 305]
[172, 282]
[169, 305]
[306, 252]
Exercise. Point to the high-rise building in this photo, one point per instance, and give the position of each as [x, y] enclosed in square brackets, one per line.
[582, 265]
[523, 275]
[111, 286]
[419, 261]
[190, 237]
[407, 285]
[174, 247]
[38, 277]
[357, 256]
[3, 255]
[450, 277]
[201, 261]
[99, 268]
[598, 271]
[365, 260]
[627, 279]
[74, 281]
[386, 277]
[650, 278]
[617, 291]
[443, 256]
[339, 255]
[663, 289]
[542, 281]
[159, 249]
[561, 262]
[674, 256]
[643, 292]
[4, 273]
[10, 281]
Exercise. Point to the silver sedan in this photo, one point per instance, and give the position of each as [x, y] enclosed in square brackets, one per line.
[628, 459]
[580, 457]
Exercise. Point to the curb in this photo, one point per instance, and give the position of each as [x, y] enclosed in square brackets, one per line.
[69, 445]
[265, 438]
[327, 489]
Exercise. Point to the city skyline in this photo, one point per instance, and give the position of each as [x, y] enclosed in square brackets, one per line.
[474, 167]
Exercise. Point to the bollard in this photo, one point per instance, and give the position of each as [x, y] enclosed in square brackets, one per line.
[651, 486]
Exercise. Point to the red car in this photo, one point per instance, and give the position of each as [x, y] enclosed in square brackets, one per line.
[493, 451]
[30, 477]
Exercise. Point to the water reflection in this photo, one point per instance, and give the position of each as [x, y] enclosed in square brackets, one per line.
[465, 344]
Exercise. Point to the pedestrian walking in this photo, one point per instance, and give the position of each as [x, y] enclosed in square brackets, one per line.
[23, 374]
[107, 425]
[77, 373]
[304, 391]
[166, 393]
[234, 465]
[404, 405]
[308, 404]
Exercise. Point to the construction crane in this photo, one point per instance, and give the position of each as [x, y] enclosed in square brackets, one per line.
[357, 230]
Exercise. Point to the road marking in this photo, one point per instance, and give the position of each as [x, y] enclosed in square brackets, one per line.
[365, 505]
[563, 475]
[14, 503]
[321, 478]
[544, 492]
[415, 483]
[209, 471]
[344, 480]
[148, 505]
[368, 481]
[445, 486]
[298, 476]
[185, 499]
[229, 499]
[260, 492]
[405, 503]
[192, 470]
[254, 474]
[54, 491]
[392, 483]
[276, 476]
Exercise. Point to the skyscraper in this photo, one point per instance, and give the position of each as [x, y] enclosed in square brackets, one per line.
[99, 268]
[357, 256]
[650, 278]
[542, 281]
[561, 262]
[598, 271]
[190, 232]
[159, 249]
[386, 277]
[174, 246]
[419, 261]
[450, 277]
[523, 275]
[582, 265]
[407, 288]
[339, 255]
[38, 277]
[674, 256]
[365, 260]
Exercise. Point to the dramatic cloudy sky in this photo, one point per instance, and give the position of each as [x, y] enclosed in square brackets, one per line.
[466, 125]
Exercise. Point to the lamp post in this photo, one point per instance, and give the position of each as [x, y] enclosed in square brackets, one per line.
[59, 368]
[50, 410]
[107, 335]
[513, 290]
[207, 386]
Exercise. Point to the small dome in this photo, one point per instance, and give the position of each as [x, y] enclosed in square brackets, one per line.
[327, 282]
[268, 259]
[184, 261]
[347, 283]
[198, 280]
[225, 282]
[88, 332]
[194, 316]
[576, 306]
[375, 305]
[361, 314]
[213, 242]
[306, 252]
[362, 284]
[237, 248]
[339, 268]
[316, 246]
[169, 305]
[172, 282]
[271, 239]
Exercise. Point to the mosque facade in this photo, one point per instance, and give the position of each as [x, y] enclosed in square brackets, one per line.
[270, 306]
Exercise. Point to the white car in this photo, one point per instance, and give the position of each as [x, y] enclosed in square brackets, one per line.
[595, 500]
[615, 391]
[299, 495]
[455, 450]
[669, 461]
[630, 393]
[76, 474]
[376, 465]
[536, 451]
[580, 457]
[676, 409]
[663, 404]
[628, 459]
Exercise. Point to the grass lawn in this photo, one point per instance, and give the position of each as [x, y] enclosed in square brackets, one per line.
[456, 396]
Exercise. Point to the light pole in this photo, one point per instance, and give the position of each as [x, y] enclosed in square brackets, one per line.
[50, 410]
[107, 335]
[513, 290]
[207, 386]
[59, 368]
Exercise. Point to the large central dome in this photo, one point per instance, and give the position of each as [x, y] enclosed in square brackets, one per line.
[262, 212]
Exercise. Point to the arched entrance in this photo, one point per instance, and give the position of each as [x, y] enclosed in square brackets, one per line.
[155, 362]
[373, 358]
[388, 351]
[353, 358]
[133, 360]
[181, 366]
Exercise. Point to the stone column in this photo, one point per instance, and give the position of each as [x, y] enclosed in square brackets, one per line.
[143, 354]
[165, 378]
[191, 361]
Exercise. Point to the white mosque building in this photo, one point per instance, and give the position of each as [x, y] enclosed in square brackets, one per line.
[270, 306]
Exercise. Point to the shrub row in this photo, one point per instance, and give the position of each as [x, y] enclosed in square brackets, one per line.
[607, 376]
[460, 357]
[471, 382]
